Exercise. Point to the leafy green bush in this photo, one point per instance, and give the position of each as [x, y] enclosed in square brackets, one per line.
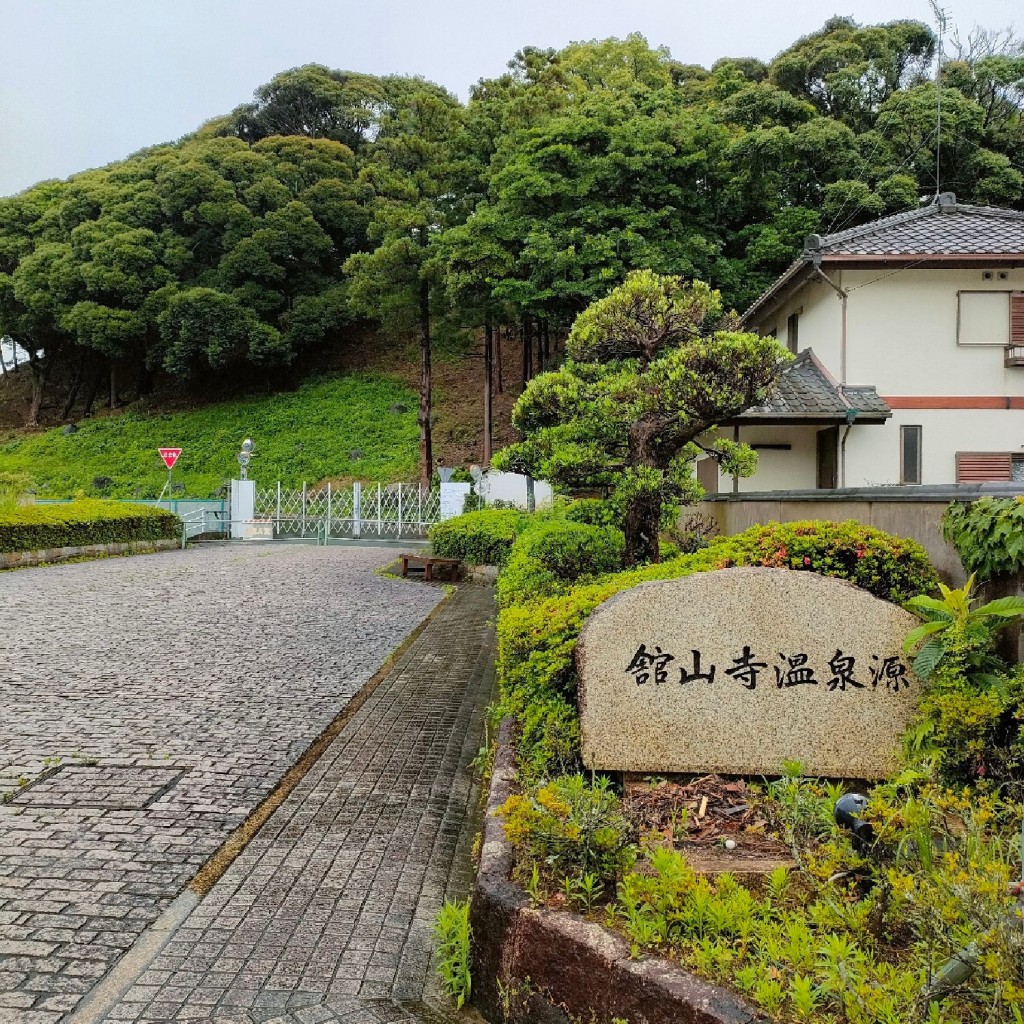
[972, 712]
[571, 828]
[988, 535]
[593, 512]
[892, 568]
[484, 537]
[550, 556]
[78, 523]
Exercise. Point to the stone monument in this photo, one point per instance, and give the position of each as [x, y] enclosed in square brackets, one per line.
[739, 670]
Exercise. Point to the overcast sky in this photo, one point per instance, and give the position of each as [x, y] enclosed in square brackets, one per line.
[84, 82]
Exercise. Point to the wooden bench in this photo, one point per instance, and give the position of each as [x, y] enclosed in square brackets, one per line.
[449, 567]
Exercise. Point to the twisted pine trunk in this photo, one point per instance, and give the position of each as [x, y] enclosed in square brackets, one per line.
[643, 510]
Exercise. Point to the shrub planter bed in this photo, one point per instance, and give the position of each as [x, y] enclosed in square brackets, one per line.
[20, 559]
[536, 965]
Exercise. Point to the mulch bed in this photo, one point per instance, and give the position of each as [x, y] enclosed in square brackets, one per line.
[702, 813]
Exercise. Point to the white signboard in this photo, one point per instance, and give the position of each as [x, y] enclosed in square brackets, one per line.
[453, 498]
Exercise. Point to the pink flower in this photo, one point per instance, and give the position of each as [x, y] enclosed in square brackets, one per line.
[807, 561]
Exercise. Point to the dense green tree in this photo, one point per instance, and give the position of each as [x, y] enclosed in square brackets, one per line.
[653, 367]
[417, 181]
[334, 193]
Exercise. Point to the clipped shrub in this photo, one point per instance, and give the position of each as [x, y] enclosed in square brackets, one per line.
[78, 523]
[484, 537]
[593, 512]
[550, 556]
[988, 535]
[892, 568]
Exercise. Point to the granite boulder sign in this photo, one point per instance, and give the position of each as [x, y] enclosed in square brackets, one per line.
[739, 670]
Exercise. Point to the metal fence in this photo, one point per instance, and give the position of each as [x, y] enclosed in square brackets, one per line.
[355, 511]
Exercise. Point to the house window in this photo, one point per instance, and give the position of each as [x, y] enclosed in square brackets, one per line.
[984, 318]
[910, 455]
[793, 332]
[984, 467]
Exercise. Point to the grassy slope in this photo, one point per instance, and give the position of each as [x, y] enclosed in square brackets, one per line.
[308, 434]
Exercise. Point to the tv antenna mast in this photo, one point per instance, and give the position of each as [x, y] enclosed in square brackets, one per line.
[941, 21]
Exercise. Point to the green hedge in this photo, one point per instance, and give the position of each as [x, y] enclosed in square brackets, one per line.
[78, 523]
[484, 537]
[892, 568]
[551, 556]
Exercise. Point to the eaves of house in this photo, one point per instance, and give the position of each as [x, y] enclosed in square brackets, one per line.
[943, 234]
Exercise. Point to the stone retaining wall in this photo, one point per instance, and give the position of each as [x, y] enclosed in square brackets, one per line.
[15, 559]
[536, 966]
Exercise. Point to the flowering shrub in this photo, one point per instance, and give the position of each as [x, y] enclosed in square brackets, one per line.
[892, 568]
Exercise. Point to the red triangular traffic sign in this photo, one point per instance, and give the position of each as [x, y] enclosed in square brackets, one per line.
[169, 455]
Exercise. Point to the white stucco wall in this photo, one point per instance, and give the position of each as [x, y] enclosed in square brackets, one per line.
[777, 470]
[902, 338]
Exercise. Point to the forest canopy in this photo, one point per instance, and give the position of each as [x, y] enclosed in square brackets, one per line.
[335, 196]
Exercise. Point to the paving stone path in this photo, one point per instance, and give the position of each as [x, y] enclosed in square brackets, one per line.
[328, 913]
[147, 705]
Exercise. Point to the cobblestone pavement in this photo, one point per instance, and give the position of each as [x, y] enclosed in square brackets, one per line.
[327, 915]
[147, 705]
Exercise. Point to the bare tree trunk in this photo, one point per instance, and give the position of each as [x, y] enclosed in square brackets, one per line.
[113, 385]
[39, 375]
[426, 445]
[526, 338]
[73, 393]
[642, 524]
[502, 334]
[545, 346]
[94, 386]
[488, 382]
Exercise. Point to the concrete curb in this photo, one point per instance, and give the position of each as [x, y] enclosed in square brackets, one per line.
[536, 966]
[21, 559]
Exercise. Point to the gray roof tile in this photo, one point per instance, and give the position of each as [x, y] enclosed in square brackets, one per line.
[805, 391]
[944, 228]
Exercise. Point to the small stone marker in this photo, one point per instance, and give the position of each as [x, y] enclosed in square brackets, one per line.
[738, 670]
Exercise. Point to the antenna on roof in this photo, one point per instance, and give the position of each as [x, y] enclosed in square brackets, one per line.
[940, 21]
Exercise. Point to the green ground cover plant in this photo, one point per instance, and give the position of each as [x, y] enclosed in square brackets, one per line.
[332, 427]
[89, 521]
[844, 937]
[453, 933]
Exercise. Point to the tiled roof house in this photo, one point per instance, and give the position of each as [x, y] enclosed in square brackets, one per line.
[909, 341]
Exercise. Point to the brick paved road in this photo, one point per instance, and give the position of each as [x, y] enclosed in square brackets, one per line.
[150, 703]
[327, 915]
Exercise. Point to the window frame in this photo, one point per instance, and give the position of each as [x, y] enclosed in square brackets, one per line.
[1008, 292]
[904, 430]
[793, 332]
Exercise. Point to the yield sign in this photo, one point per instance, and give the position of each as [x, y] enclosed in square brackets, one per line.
[169, 455]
